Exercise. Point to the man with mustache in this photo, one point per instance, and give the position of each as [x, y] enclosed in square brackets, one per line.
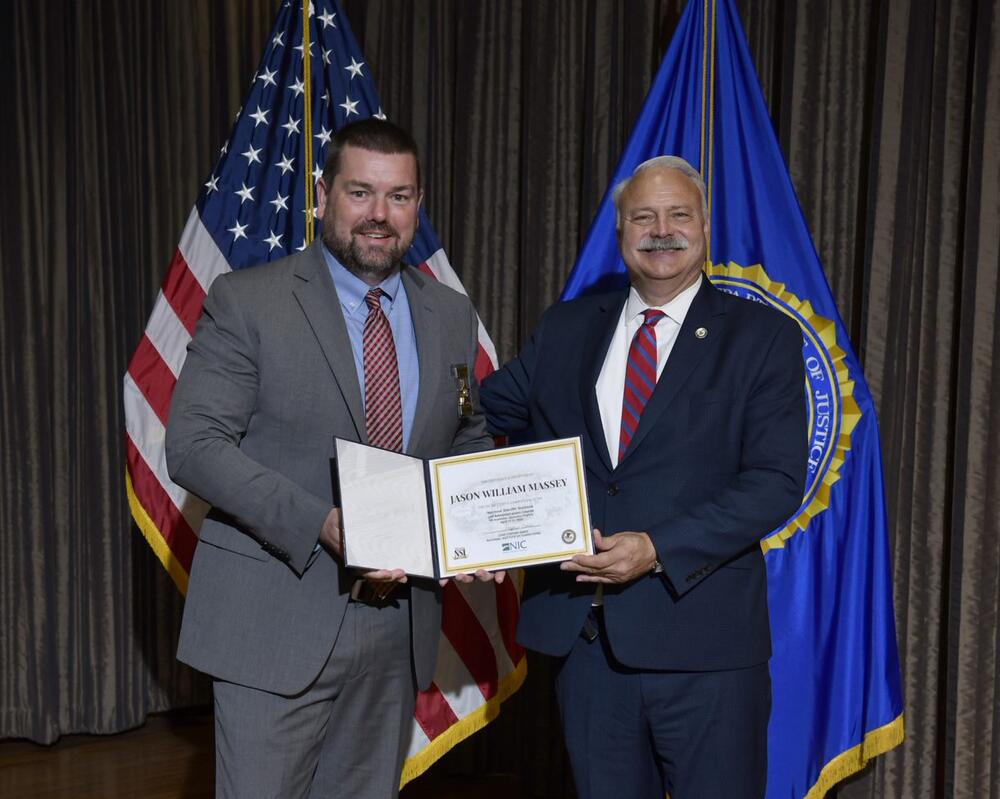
[689, 403]
[314, 666]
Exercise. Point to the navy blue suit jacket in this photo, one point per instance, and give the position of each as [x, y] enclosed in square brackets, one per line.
[718, 461]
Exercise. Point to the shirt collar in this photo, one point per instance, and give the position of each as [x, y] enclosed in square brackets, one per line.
[676, 309]
[351, 289]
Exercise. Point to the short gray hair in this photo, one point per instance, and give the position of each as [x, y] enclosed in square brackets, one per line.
[660, 162]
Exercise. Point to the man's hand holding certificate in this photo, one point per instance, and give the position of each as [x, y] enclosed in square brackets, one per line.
[506, 508]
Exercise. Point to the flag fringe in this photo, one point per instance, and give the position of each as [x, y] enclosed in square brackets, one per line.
[458, 732]
[875, 743]
[155, 538]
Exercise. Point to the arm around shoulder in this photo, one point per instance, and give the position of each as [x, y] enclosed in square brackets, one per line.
[506, 394]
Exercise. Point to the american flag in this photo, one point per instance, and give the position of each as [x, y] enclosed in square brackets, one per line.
[256, 206]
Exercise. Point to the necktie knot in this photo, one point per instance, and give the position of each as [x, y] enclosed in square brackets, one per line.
[372, 299]
[652, 316]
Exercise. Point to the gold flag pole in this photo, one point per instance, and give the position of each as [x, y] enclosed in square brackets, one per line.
[307, 163]
[708, 108]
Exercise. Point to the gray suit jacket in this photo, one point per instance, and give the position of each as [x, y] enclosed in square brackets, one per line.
[269, 381]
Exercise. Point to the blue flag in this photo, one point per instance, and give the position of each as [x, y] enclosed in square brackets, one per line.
[835, 670]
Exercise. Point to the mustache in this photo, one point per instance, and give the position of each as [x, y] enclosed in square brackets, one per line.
[651, 244]
[364, 228]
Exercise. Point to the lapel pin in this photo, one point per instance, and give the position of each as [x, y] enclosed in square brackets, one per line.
[701, 332]
[460, 371]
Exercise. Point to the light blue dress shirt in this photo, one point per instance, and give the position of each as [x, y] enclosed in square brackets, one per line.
[351, 291]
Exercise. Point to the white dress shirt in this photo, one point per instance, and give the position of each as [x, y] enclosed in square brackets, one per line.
[611, 382]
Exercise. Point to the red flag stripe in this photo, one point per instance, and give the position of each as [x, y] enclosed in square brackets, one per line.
[170, 522]
[167, 333]
[465, 633]
[183, 291]
[423, 267]
[439, 269]
[508, 606]
[153, 378]
[433, 713]
[483, 366]
[200, 251]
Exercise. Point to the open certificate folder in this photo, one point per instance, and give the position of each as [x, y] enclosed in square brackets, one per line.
[499, 509]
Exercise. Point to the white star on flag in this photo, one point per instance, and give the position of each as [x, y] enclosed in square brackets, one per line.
[245, 193]
[298, 87]
[213, 183]
[350, 106]
[355, 68]
[274, 240]
[279, 202]
[252, 155]
[238, 231]
[259, 117]
[324, 135]
[268, 77]
[327, 19]
[292, 125]
[285, 164]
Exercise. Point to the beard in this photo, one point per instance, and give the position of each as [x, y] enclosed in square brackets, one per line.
[350, 251]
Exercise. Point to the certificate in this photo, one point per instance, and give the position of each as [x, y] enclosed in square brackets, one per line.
[499, 509]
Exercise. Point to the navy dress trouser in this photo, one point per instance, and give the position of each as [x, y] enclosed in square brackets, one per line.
[635, 734]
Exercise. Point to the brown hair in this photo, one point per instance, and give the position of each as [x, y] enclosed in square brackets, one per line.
[376, 135]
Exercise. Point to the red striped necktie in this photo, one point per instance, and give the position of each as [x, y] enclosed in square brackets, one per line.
[640, 377]
[383, 409]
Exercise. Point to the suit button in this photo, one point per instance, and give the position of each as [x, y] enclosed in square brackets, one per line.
[612, 489]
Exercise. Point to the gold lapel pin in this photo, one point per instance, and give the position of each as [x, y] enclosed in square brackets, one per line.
[701, 332]
[460, 371]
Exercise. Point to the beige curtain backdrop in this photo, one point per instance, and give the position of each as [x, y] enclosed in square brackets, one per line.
[888, 113]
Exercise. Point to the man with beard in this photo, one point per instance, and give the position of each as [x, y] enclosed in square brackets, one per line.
[690, 407]
[315, 667]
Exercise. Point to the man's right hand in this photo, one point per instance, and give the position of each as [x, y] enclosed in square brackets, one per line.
[331, 536]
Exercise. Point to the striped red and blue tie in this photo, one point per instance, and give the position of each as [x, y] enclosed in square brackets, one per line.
[640, 377]
[383, 408]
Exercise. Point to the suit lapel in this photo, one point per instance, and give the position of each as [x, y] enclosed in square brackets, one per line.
[706, 314]
[430, 352]
[321, 306]
[596, 344]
